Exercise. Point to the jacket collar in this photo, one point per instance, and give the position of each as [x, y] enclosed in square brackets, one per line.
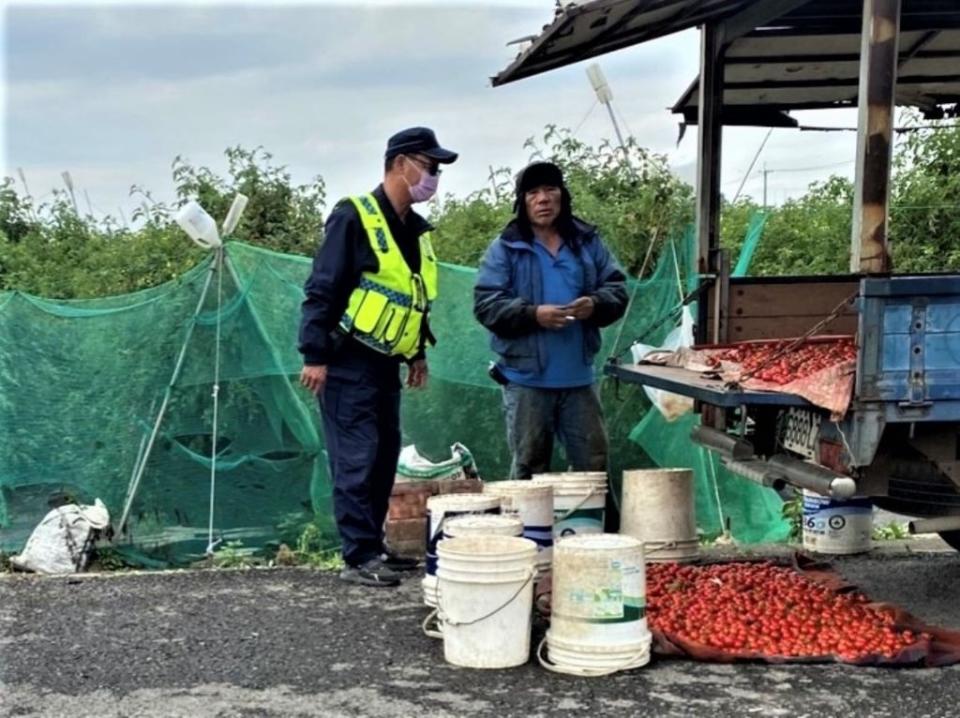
[514, 238]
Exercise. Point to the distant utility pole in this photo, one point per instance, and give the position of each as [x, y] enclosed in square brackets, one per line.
[68, 181]
[605, 96]
[766, 173]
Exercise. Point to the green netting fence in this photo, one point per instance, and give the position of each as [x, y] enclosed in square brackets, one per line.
[82, 382]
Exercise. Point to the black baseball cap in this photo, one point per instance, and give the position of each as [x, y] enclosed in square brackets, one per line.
[419, 140]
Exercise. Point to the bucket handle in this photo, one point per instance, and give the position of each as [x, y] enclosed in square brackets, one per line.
[430, 625]
[584, 672]
[539, 603]
[444, 619]
[584, 500]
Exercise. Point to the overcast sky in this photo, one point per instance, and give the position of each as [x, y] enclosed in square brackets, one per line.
[113, 92]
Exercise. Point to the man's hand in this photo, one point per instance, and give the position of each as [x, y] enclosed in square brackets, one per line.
[314, 378]
[581, 309]
[550, 316]
[417, 374]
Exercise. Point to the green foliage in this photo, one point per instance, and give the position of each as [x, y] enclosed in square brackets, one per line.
[312, 550]
[232, 555]
[893, 531]
[631, 196]
[279, 216]
[793, 513]
[107, 558]
[925, 214]
[311, 542]
[806, 235]
[53, 251]
[464, 227]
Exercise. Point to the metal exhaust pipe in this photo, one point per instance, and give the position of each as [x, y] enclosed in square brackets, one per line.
[757, 471]
[816, 478]
[724, 444]
[934, 526]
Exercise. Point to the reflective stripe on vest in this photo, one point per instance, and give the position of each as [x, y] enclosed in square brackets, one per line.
[386, 310]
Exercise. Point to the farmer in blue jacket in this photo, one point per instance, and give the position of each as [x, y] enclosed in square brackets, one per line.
[545, 287]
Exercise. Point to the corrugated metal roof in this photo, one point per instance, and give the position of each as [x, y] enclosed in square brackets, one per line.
[809, 58]
[587, 29]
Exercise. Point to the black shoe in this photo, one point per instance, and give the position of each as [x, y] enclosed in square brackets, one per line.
[370, 573]
[396, 562]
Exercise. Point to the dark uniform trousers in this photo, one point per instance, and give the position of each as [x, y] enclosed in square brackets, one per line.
[360, 404]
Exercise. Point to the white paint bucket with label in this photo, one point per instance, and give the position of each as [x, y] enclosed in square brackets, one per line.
[439, 509]
[579, 501]
[598, 621]
[533, 503]
[658, 508]
[486, 600]
[836, 526]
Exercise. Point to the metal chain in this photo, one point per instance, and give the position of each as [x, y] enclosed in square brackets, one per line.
[837, 311]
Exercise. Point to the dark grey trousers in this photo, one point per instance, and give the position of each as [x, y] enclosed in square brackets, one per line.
[536, 416]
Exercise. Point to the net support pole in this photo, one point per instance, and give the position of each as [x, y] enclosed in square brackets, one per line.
[161, 412]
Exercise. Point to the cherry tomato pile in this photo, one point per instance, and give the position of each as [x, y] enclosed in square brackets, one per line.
[802, 361]
[763, 609]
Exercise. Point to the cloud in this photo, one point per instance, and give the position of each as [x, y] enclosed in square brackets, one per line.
[114, 92]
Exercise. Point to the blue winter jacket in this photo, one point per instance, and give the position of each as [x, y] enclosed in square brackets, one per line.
[510, 286]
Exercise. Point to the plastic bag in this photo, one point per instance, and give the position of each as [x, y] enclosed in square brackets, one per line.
[671, 405]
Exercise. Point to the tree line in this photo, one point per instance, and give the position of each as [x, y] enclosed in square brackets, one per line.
[53, 250]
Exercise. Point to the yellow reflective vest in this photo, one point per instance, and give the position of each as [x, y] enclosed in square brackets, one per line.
[387, 310]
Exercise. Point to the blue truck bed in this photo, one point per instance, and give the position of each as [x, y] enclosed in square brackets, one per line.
[909, 330]
[908, 367]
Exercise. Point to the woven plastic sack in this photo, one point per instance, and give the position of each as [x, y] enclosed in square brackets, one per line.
[412, 466]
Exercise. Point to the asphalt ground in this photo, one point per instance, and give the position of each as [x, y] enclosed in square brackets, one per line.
[297, 642]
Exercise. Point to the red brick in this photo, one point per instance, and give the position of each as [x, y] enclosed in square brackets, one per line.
[409, 499]
[460, 486]
[406, 530]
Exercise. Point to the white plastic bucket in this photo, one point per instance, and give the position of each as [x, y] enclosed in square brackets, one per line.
[533, 503]
[658, 508]
[482, 525]
[579, 500]
[486, 600]
[439, 509]
[598, 621]
[836, 526]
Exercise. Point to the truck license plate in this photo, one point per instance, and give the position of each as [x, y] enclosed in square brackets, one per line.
[800, 431]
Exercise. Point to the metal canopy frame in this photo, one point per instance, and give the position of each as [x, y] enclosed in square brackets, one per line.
[804, 62]
[727, 26]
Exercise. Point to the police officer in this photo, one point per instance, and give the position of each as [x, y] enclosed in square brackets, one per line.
[366, 312]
